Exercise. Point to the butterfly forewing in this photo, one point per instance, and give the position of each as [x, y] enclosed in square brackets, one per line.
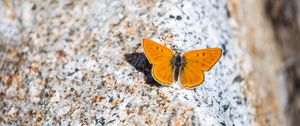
[160, 56]
[156, 53]
[204, 59]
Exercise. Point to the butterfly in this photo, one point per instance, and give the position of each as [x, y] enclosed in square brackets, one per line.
[169, 67]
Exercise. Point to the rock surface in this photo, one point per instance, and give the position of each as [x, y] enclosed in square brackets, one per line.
[81, 63]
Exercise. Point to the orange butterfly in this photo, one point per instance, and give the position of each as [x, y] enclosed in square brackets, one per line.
[188, 68]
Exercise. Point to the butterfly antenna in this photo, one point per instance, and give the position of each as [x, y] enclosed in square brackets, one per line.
[191, 46]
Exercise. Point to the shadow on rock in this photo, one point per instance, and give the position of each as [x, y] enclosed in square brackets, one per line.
[139, 62]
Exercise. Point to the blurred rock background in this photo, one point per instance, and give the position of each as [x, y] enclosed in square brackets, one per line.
[285, 19]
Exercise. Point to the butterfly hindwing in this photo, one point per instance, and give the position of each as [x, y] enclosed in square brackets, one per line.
[163, 73]
[160, 56]
[191, 76]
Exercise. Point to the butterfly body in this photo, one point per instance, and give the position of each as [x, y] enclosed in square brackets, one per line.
[177, 62]
[169, 67]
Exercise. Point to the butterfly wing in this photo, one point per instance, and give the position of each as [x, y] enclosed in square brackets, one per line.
[160, 56]
[163, 73]
[204, 59]
[197, 61]
[156, 53]
[191, 76]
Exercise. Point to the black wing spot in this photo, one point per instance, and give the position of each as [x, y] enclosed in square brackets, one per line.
[197, 54]
[161, 50]
[203, 54]
[156, 48]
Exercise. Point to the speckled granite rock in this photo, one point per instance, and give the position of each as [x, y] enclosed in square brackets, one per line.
[81, 63]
